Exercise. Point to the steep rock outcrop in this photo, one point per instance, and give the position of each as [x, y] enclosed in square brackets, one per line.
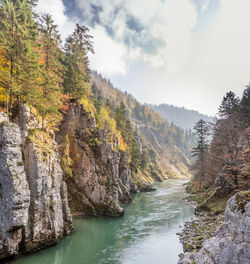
[231, 242]
[126, 186]
[14, 191]
[49, 215]
[101, 178]
[34, 210]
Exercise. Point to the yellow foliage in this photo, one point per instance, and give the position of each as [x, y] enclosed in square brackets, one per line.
[4, 76]
[123, 145]
[87, 89]
[106, 121]
[88, 104]
[2, 95]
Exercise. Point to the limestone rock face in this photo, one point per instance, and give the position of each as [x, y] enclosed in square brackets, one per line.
[49, 217]
[231, 243]
[34, 211]
[126, 186]
[27, 121]
[14, 191]
[101, 178]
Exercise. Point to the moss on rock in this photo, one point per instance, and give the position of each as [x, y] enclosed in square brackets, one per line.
[43, 142]
[242, 199]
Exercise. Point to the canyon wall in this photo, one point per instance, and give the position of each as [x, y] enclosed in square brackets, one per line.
[34, 210]
[100, 179]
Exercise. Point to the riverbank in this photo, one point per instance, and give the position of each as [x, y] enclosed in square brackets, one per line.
[217, 237]
[195, 232]
[207, 220]
[230, 243]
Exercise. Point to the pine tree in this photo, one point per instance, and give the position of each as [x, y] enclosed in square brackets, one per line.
[18, 32]
[229, 105]
[120, 118]
[97, 99]
[76, 61]
[245, 107]
[230, 123]
[51, 68]
[135, 155]
[202, 131]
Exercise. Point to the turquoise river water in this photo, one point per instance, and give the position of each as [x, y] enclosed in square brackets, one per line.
[145, 235]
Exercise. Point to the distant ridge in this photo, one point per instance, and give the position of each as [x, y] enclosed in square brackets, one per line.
[180, 116]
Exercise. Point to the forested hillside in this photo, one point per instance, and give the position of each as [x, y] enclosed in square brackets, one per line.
[70, 142]
[222, 165]
[166, 144]
[180, 116]
[220, 186]
[37, 70]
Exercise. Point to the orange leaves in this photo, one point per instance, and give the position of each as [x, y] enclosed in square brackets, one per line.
[65, 103]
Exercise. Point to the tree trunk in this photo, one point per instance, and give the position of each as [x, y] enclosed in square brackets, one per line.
[7, 102]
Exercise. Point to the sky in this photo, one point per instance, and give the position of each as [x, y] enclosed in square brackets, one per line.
[182, 52]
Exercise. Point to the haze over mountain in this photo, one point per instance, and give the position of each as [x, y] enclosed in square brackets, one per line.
[192, 48]
[182, 117]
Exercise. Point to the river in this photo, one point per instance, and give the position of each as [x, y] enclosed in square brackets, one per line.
[145, 235]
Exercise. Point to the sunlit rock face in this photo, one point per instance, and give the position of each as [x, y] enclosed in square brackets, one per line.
[101, 178]
[231, 242]
[34, 210]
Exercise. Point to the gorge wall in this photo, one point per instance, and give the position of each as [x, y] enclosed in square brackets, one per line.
[38, 192]
[101, 179]
[34, 210]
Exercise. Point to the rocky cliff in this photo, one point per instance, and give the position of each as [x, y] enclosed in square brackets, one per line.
[34, 210]
[231, 241]
[99, 180]
[43, 176]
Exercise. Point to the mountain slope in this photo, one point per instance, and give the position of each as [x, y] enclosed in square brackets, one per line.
[165, 145]
[180, 116]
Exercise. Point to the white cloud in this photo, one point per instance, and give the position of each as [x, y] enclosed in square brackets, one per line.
[181, 55]
[166, 28]
[220, 58]
[56, 9]
[109, 57]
